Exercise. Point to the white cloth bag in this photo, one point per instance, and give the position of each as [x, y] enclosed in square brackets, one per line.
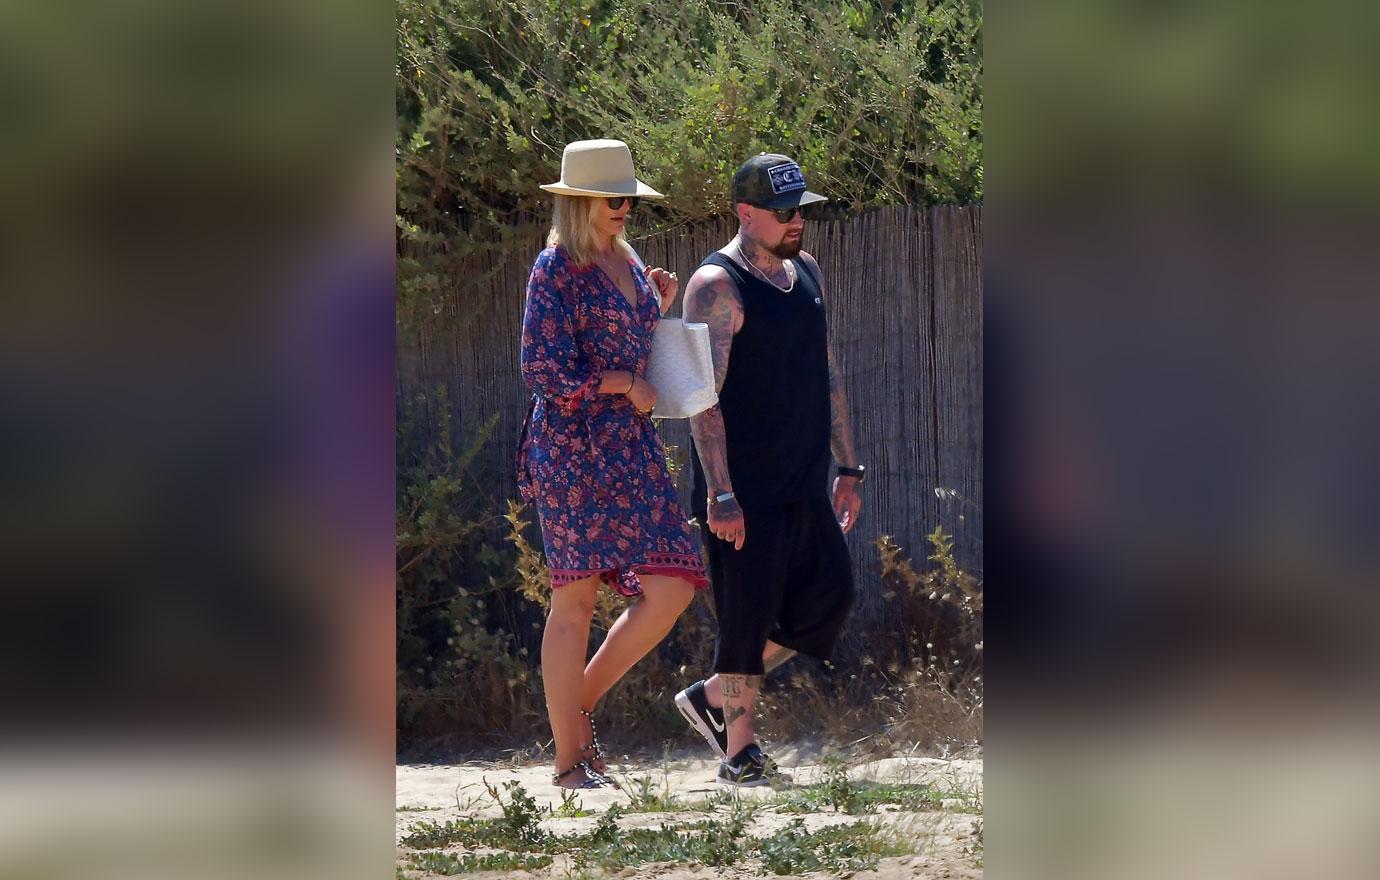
[681, 370]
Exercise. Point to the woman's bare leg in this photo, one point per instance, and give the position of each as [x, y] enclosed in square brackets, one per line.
[564, 644]
[640, 629]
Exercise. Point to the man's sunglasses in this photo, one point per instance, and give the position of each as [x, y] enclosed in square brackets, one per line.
[784, 215]
[616, 202]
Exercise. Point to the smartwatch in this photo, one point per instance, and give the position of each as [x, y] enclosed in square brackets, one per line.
[859, 473]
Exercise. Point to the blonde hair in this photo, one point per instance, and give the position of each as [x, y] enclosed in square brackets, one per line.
[572, 227]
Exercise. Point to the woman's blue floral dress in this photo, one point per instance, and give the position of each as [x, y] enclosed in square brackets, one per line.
[590, 462]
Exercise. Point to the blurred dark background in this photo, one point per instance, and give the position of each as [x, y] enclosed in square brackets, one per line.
[196, 398]
[1182, 429]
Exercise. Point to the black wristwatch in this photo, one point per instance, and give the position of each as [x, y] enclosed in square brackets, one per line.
[859, 473]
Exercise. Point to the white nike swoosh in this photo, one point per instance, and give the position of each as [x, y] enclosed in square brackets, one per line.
[714, 724]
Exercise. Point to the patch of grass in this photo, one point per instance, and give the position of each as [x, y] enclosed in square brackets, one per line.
[847, 796]
[969, 799]
[842, 794]
[606, 829]
[855, 847]
[521, 815]
[726, 796]
[974, 849]
[644, 798]
[469, 802]
[519, 830]
[712, 842]
[411, 809]
[719, 841]
[571, 806]
[445, 863]
[429, 834]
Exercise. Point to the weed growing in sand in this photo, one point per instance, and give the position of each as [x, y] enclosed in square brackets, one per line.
[856, 847]
[844, 795]
[521, 815]
[412, 809]
[571, 807]
[469, 802]
[974, 849]
[716, 842]
[725, 797]
[712, 842]
[519, 829]
[445, 863]
[644, 798]
[430, 835]
[606, 830]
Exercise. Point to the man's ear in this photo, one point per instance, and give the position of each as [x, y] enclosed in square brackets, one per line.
[740, 208]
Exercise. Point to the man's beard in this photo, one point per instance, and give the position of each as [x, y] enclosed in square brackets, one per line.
[787, 249]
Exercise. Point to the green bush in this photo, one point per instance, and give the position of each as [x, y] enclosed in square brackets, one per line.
[462, 670]
[880, 103]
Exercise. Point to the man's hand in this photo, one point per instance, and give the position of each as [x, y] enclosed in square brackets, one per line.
[726, 521]
[847, 502]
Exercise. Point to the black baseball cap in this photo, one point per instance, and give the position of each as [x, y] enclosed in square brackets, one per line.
[770, 180]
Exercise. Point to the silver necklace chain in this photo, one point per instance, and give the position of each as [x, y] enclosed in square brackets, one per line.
[753, 266]
[613, 269]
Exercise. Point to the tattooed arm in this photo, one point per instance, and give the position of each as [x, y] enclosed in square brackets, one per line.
[847, 501]
[712, 298]
[840, 426]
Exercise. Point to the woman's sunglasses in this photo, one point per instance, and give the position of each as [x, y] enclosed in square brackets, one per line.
[616, 202]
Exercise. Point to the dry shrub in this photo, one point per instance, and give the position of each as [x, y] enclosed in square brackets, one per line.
[921, 692]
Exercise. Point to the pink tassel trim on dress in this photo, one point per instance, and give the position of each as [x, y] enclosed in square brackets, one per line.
[625, 579]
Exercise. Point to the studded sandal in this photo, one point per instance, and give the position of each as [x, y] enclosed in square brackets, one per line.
[589, 777]
[595, 747]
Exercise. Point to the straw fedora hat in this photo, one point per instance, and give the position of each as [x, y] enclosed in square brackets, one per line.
[599, 168]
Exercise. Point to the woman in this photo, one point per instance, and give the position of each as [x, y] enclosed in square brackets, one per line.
[590, 458]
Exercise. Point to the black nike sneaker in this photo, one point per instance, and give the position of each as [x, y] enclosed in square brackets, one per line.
[750, 767]
[703, 717]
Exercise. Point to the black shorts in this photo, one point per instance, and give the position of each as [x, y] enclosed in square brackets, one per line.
[792, 583]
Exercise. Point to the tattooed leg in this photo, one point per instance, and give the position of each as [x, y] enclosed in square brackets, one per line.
[772, 657]
[739, 692]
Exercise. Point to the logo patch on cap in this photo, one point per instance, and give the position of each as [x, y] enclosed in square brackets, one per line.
[786, 178]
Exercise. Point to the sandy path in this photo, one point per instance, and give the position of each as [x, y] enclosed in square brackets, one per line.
[943, 837]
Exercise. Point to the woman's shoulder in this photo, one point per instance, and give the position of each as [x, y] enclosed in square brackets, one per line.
[552, 266]
[552, 255]
[555, 258]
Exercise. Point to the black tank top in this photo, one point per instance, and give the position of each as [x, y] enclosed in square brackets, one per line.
[775, 398]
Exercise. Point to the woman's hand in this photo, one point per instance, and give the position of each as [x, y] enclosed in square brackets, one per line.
[642, 395]
[667, 286]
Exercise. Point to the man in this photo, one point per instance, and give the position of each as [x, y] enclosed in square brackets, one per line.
[778, 564]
